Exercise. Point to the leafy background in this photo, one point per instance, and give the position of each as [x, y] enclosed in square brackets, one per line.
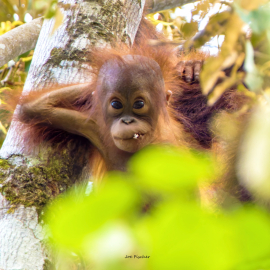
[169, 206]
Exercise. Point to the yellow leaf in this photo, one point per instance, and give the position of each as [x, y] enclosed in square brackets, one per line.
[59, 17]
[154, 21]
[2, 128]
[51, 11]
[251, 5]
[222, 87]
[2, 102]
[27, 59]
[151, 16]
[233, 30]
[16, 23]
[4, 89]
[211, 73]
[165, 23]
[228, 56]
[3, 26]
[8, 26]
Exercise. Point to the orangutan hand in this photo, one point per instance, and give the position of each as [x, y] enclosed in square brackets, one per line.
[190, 70]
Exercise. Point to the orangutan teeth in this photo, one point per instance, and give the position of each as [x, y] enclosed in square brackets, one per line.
[136, 136]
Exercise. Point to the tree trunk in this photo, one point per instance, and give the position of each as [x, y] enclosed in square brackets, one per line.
[28, 183]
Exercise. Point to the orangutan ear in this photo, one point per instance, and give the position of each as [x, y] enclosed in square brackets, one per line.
[168, 96]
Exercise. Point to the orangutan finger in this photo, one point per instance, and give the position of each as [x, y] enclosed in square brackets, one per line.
[189, 70]
[181, 68]
[197, 69]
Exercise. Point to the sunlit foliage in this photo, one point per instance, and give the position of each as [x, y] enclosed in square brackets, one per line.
[182, 228]
[176, 232]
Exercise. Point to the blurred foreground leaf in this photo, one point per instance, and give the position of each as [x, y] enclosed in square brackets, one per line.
[258, 19]
[254, 158]
[169, 170]
[253, 78]
[114, 200]
[108, 225]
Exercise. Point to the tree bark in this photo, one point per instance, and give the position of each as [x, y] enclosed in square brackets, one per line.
[27, 183]
[20, 238]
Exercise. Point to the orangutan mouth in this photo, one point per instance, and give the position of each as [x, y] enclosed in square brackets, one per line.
[137, 136]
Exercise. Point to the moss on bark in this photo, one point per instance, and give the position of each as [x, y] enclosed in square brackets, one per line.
[28, 183]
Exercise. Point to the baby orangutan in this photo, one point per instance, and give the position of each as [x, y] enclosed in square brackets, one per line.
[123, 109]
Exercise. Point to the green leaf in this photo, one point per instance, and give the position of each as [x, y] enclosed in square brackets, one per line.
[182, 236]
[253, 78]
[189, 29]
[250, 5]
[2, 128]
[258, 19]
[166, 169]
[253, 168]
[85, 215]
[229, 54]
[251, 228]
[224, 86]
[51, 11]
[41, 4]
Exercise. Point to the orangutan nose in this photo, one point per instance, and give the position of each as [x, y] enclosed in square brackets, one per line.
[127, 120]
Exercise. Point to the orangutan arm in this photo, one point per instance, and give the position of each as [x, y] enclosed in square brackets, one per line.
[44, 110]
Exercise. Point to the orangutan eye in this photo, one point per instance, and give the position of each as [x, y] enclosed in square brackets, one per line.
[116, 104]
[138, 104]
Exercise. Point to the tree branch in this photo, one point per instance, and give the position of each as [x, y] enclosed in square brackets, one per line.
[157, 5]
[19, 40]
